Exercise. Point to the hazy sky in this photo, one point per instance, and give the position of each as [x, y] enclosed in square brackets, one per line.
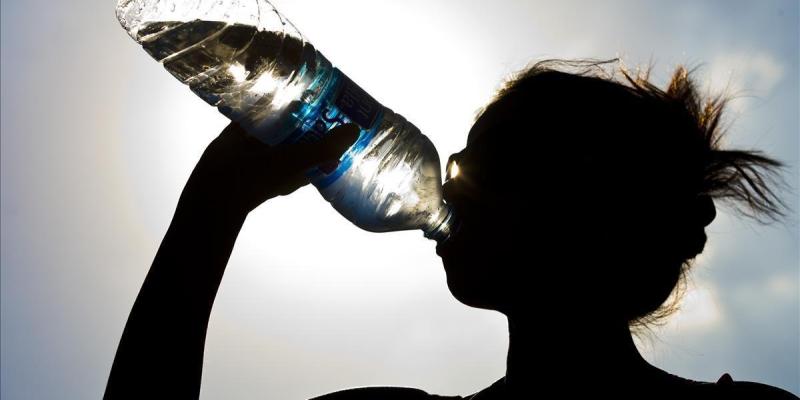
[98, 140]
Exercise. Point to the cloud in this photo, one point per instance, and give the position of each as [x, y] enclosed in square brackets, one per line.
[699, 310]
[745, 75]
[783, 285]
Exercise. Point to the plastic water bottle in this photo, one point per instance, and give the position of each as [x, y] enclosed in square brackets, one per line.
[246, 59]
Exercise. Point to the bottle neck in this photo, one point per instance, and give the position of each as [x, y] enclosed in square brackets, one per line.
[442, 225]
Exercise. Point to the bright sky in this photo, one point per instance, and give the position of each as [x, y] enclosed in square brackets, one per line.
[98, 140]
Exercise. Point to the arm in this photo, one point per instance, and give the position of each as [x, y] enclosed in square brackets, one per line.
[161, 350]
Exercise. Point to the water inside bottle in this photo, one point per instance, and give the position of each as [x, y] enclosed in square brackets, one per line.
[251, 72]
[255, 76]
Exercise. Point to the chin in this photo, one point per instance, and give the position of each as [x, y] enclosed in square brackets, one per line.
[470, 290]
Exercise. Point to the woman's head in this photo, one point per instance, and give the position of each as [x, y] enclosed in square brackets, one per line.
[591, 192]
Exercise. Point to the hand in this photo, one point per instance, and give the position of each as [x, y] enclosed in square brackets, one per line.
[237, 172]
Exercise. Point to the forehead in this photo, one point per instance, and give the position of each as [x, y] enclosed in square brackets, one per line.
[497, 114]
[478, 128]
[484, 153]
[492, 116]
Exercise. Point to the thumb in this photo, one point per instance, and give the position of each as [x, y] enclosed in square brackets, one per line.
[328, 150]
[337, 141]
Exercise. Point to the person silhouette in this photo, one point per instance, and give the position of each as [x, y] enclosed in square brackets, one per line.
[582, 198]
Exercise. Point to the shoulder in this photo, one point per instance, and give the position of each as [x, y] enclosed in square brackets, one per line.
[383, 393]
[730, 389]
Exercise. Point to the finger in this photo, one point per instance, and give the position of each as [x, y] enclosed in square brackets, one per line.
[286, 185]
[234, 133]
[293, 183]
[329, 166]
[233, 129]
[301, 157]
[228, 138]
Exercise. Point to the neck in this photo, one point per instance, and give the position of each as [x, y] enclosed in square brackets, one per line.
[568, 354]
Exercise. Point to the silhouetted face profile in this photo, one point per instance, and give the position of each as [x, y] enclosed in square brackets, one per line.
[576, 195]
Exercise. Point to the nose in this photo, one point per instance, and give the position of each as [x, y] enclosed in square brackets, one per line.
[706, 210]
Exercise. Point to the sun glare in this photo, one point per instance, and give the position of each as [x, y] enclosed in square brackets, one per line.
[265, 83]
[453, 170]
[238, 72]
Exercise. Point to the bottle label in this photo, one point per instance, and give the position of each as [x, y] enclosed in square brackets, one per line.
[347, 103]
[356, 103]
